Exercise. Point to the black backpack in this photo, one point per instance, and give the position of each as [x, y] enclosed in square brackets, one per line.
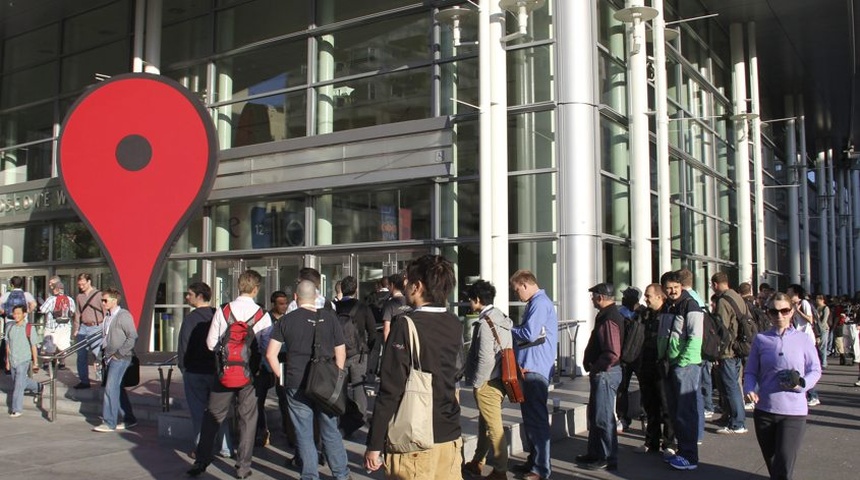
[634, 339]
[715, 337]
[742, 343]
[760, 318]
[351, 336]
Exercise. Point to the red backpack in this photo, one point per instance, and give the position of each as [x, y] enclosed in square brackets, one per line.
[61, 309]
[237, 353]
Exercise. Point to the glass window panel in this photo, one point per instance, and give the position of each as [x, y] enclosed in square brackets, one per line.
[614, 152]
[613, 82]
[193, 78]
[259, 224]
[616, 265]
[461, 204]
[611, 32]
[29, 85]
[260, 71]
[376, 216]
[375, 47]
[466, 140]
[331, 11]
[616, 207]
[170, 307]
[31, 48]
[460, 88]
[532, 203]
[176, 10]
[379, 100]
[258, 20]
[78, 71]
[725, 245]
[28, 244]
[96, 27]
[73, 241]
[467, 267]
[189, 40]
[530, 78]
[26, 163]
[541, 257]
[531, 141]
[28, 125]
[191, 240]
[540, 26]
[266, 119]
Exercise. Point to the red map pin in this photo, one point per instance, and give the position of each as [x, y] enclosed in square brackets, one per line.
[137, 157]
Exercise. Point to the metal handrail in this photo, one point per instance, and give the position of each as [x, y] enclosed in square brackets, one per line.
[165, 382]
[571, 328]
[54, 359]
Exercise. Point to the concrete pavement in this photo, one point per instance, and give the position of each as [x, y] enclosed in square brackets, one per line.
[33, 448]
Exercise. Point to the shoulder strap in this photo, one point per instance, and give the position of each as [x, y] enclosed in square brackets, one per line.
[256, 318]
[354, 309]
[314, 340]
[29, 329]
[86, 303]
[493, 329]
[735, 306]
[228, 314]
[414, 343]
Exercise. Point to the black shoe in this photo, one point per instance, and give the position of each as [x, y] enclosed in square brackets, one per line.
[61, 366]
[244, 475]
[522, 468]
[196, 470]
[81, 386]
[600, 464]
[585, 459]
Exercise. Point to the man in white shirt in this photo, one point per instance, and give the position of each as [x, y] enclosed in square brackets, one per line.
[58, 310]
[242, 309]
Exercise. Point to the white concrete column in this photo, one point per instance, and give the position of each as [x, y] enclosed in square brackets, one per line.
[152, 43]
[742, 161]
[832, 219]
[792, 193]
[664, 191]
[485, 143]
[823, 229]
[640, 154]
[499, 171]
[758, 166]
[578, 150]
[855, 214]
[139, 34]
[842, 222]
[803, 191]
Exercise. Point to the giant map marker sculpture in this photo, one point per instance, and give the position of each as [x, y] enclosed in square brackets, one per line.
[137, 157]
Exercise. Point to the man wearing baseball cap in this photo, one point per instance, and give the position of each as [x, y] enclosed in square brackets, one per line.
[602, 359]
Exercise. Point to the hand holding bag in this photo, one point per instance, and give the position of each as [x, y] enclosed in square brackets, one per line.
[411, 428]
[512, 374]
[325, 383]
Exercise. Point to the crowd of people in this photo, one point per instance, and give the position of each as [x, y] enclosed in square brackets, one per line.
[762, 354]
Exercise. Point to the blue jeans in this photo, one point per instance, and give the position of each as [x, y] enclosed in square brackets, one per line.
[22, 382]
[685, 407]
[197, 389]
[822, 348]
[707, 389]
[302, 413]
[536, 420]
[115, 398]
[730, 369]
[602, 436]
[83, 360]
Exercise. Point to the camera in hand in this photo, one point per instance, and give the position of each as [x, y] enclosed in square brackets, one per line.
[790, 379]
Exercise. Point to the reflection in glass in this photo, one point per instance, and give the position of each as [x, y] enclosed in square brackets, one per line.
[261, 120]
[73, 241]
[529, 78]
[260, 224]
[389, 215]
[26, 163]
[532, 203]
[37, 46]
[531, 141]
[262, 70]
[78, 71]
[258, 20]
[29, 85]
[96, 27]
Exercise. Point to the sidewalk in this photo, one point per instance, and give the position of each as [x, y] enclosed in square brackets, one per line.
[36, 449]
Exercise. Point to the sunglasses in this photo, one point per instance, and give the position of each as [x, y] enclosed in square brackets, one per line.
[779, 311]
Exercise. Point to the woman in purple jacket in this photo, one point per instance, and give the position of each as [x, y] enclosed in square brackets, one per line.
[783, 364]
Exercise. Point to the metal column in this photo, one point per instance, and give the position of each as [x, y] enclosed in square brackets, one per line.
[831, 193]
[842, 184]
[742, 160]
[792, 193]
[803, 191]
[758, 173]
[823, 231]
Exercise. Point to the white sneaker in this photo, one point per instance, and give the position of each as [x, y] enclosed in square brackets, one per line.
[709, 414]
[15, 414]
[730, 431]
[857, 383]
[749, 406]
[104, 428]
[814, 402]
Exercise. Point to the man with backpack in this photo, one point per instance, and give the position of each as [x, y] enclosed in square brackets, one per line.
[89, 316]
[630, 308]
[679, 347]
[653, 380]
[58, 310]
[236, 338]
[8, 301]
[731, 309]
[358, 326]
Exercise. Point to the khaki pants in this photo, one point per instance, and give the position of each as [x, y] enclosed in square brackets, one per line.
[442, 462]
[491, 431]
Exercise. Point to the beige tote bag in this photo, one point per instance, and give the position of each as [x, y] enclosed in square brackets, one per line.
[411, 428]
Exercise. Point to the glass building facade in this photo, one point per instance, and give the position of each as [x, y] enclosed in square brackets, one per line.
[349, 136]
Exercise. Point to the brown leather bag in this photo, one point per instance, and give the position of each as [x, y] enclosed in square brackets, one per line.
[512, 374]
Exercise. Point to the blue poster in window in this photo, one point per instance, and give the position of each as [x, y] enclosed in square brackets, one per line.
[388, 222]
[261, 228]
